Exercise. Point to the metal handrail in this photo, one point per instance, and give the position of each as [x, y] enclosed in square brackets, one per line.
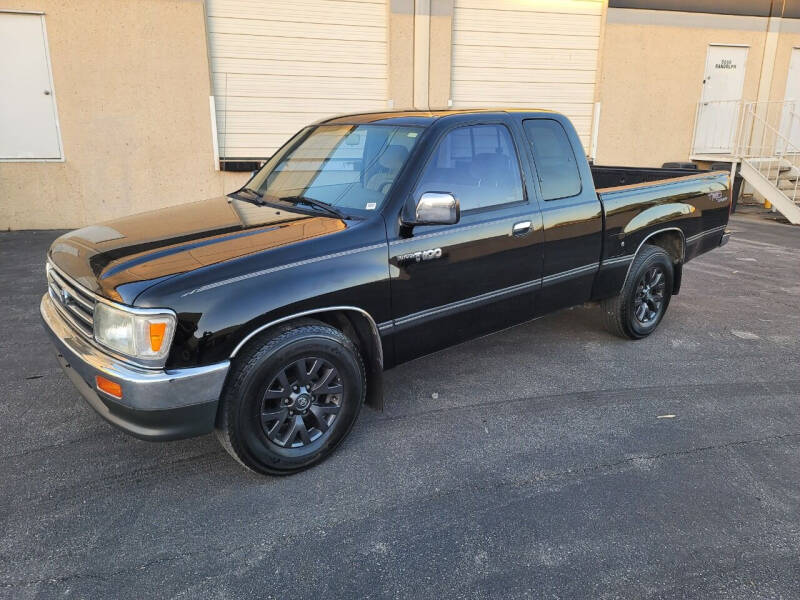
[766, 126]
[727, 139]
[776, 157]
[749, 118]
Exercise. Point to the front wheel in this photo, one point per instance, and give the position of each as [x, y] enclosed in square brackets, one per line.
[291, 398]
[638, 309]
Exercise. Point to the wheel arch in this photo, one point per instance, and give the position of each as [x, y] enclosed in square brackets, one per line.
[355, 323]
[673, 241]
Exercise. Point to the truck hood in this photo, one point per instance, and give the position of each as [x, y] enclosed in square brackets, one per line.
[121, 258]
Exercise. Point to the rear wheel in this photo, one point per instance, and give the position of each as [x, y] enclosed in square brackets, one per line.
[638, 309]
[292, 397]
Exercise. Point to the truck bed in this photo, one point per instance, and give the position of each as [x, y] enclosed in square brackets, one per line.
[606, 177]
[610, 177]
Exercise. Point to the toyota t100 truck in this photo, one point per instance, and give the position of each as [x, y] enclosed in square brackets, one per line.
[270, 314]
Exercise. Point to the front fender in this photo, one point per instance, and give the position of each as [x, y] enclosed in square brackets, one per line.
[218, 310]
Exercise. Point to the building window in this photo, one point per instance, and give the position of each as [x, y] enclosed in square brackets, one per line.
[28, 117]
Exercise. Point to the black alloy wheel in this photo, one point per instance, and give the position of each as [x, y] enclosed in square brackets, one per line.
[301, 403]
[649, 297]
[292, 396]
[640, 306]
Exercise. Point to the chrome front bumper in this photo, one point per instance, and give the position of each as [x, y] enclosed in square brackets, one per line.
[155, 404]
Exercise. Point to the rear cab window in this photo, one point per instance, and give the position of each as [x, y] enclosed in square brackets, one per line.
[478, 164]
[554, 159]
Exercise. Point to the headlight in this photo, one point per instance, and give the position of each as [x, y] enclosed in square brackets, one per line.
[141, 334]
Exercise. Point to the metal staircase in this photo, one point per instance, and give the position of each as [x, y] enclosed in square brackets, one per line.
[769, 153]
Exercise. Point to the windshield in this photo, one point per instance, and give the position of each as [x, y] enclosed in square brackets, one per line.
[349, 167]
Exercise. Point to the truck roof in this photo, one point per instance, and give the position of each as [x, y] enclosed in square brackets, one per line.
[420, 118]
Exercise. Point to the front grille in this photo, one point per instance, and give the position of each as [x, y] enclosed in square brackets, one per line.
[75, 304]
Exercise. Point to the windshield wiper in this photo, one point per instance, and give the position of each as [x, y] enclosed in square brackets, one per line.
[324, 206]
[248, 195]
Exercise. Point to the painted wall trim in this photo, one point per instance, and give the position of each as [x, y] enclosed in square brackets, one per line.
[212, 104]
[595, 130]
[755, 8]
[665, 18]
[789, 25]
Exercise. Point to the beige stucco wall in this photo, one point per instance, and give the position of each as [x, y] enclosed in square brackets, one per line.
[651, 77]
[420, 50]
[131, 81]
[132, 86]
[441, 53]
[401, 53]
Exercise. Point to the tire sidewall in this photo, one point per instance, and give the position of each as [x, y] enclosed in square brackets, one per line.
[657, 257]
[244, 417]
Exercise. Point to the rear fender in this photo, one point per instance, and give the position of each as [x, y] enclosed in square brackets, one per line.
[657, 215]
[613, 275]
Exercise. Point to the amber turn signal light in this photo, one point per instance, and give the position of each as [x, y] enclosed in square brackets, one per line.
[157, 331]
[111, 388]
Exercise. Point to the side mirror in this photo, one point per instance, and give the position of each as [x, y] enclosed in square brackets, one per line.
[437, 208]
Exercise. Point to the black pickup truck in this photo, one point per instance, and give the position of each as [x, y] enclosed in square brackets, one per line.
[367, 240]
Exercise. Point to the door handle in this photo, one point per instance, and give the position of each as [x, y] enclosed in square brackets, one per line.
[521, 228]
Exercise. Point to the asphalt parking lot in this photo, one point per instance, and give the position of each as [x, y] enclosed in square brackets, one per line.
[538, 462]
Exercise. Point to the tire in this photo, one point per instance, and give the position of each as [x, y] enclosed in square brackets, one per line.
[275, 421]
[623, 313]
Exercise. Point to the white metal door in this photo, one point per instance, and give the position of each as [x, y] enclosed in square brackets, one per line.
[527, 54]
[790, 119]
[279, 66]
[28, 122]
[719, 110]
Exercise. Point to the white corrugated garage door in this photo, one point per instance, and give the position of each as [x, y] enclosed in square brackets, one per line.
[524, 53]
[277, 66]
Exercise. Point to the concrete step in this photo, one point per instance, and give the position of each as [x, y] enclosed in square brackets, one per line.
[771, 174]
[770, 163]
[787, 184]
[792, 174]
[769, 191]
[792, 194]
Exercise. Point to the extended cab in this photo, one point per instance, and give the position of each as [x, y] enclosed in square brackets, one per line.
[367, 240]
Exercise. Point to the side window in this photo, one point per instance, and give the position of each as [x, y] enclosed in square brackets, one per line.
[477, 164]
[554, 158]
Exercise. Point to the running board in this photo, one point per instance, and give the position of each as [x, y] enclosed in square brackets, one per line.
[776, 197]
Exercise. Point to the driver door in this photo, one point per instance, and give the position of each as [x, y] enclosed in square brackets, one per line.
[454, 282]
